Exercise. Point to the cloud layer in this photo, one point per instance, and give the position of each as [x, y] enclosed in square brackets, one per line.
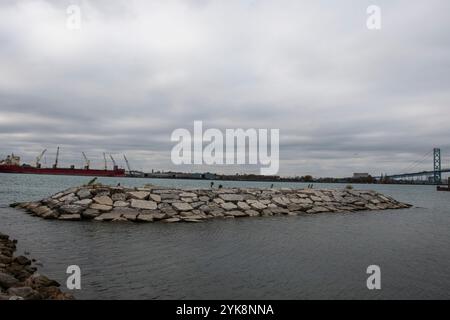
[346, 99]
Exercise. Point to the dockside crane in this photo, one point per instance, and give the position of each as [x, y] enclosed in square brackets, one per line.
[39, 157]
[87, 161]
[114, 162]
[133, 173]
[56, 160]
[106, 164]
[128, 164]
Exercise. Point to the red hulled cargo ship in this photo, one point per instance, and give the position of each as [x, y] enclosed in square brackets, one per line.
[62, 171]
[12, 165]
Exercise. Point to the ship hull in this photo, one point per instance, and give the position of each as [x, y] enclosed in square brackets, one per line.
[62, 171]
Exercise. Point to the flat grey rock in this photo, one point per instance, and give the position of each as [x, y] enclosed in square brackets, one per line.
[182, 206]
[143, 204]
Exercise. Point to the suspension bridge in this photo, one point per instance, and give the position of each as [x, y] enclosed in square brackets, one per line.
[433, 176]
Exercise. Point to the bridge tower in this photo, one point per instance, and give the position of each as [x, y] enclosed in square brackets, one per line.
[437, 166]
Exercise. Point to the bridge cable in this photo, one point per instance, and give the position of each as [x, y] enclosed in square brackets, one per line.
[417, 163]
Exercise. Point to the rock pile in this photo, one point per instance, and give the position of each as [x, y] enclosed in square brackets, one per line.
[153, 203]
[19, 279]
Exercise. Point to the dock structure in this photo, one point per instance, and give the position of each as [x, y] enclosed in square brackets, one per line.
[444, 188]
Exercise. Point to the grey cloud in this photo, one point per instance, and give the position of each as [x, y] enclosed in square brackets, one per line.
[344, 98]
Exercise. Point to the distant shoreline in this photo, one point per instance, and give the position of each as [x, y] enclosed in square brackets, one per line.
[277, 180]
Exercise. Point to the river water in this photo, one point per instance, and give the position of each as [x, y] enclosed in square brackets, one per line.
[323, 256]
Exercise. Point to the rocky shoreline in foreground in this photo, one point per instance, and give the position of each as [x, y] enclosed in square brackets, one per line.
[155, 203]
[19, 278]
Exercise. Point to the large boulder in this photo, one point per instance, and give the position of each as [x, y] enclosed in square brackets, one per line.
[231, 197]
[70, 209]
[243, 205]
[119, 196]
[205, 208]
[171, 220]
[182, 206]
[155, 197]
[169, 196]
[191, 215]
[4, 259]
[139, 195]
[26, 293]
[281, 201]
[318, 209]
[236, 213]
[155, 214]
[22, 260]
[143, 204]
[252, 213]
[130, 215]
[70, 217]
[188, 195]
[257, 205]
[7, 281]
[266, 213]
[299, 207]
[279, 210]
[121, 204]
[104, 191]
[71, 197]
[3, 236]
[192, 220]
[32, 205]
[90, 213]
[169, 211]
[228, 206]
[104, 200]
[305, 201]
[83, 202]
[125, 210]
[109, 216]
[143, 217]
[196, 204]
[84, 194]
[37, 281]
[101, 207]
[217, 212]
[40, 211]
[58, 195]
[51, 203]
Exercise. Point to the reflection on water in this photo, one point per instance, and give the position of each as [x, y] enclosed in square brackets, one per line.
[321, 256]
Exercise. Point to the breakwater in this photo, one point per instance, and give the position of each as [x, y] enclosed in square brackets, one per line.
[155, 203]
[19, 278]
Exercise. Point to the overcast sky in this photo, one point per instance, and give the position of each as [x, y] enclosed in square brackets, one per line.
[346, 99]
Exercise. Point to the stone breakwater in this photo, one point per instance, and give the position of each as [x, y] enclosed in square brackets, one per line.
[153, 203]
[19, 279]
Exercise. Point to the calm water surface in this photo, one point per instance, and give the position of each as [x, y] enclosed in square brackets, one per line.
[322, 256]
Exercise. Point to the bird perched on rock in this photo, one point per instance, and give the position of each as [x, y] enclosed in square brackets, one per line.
[90, 183]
